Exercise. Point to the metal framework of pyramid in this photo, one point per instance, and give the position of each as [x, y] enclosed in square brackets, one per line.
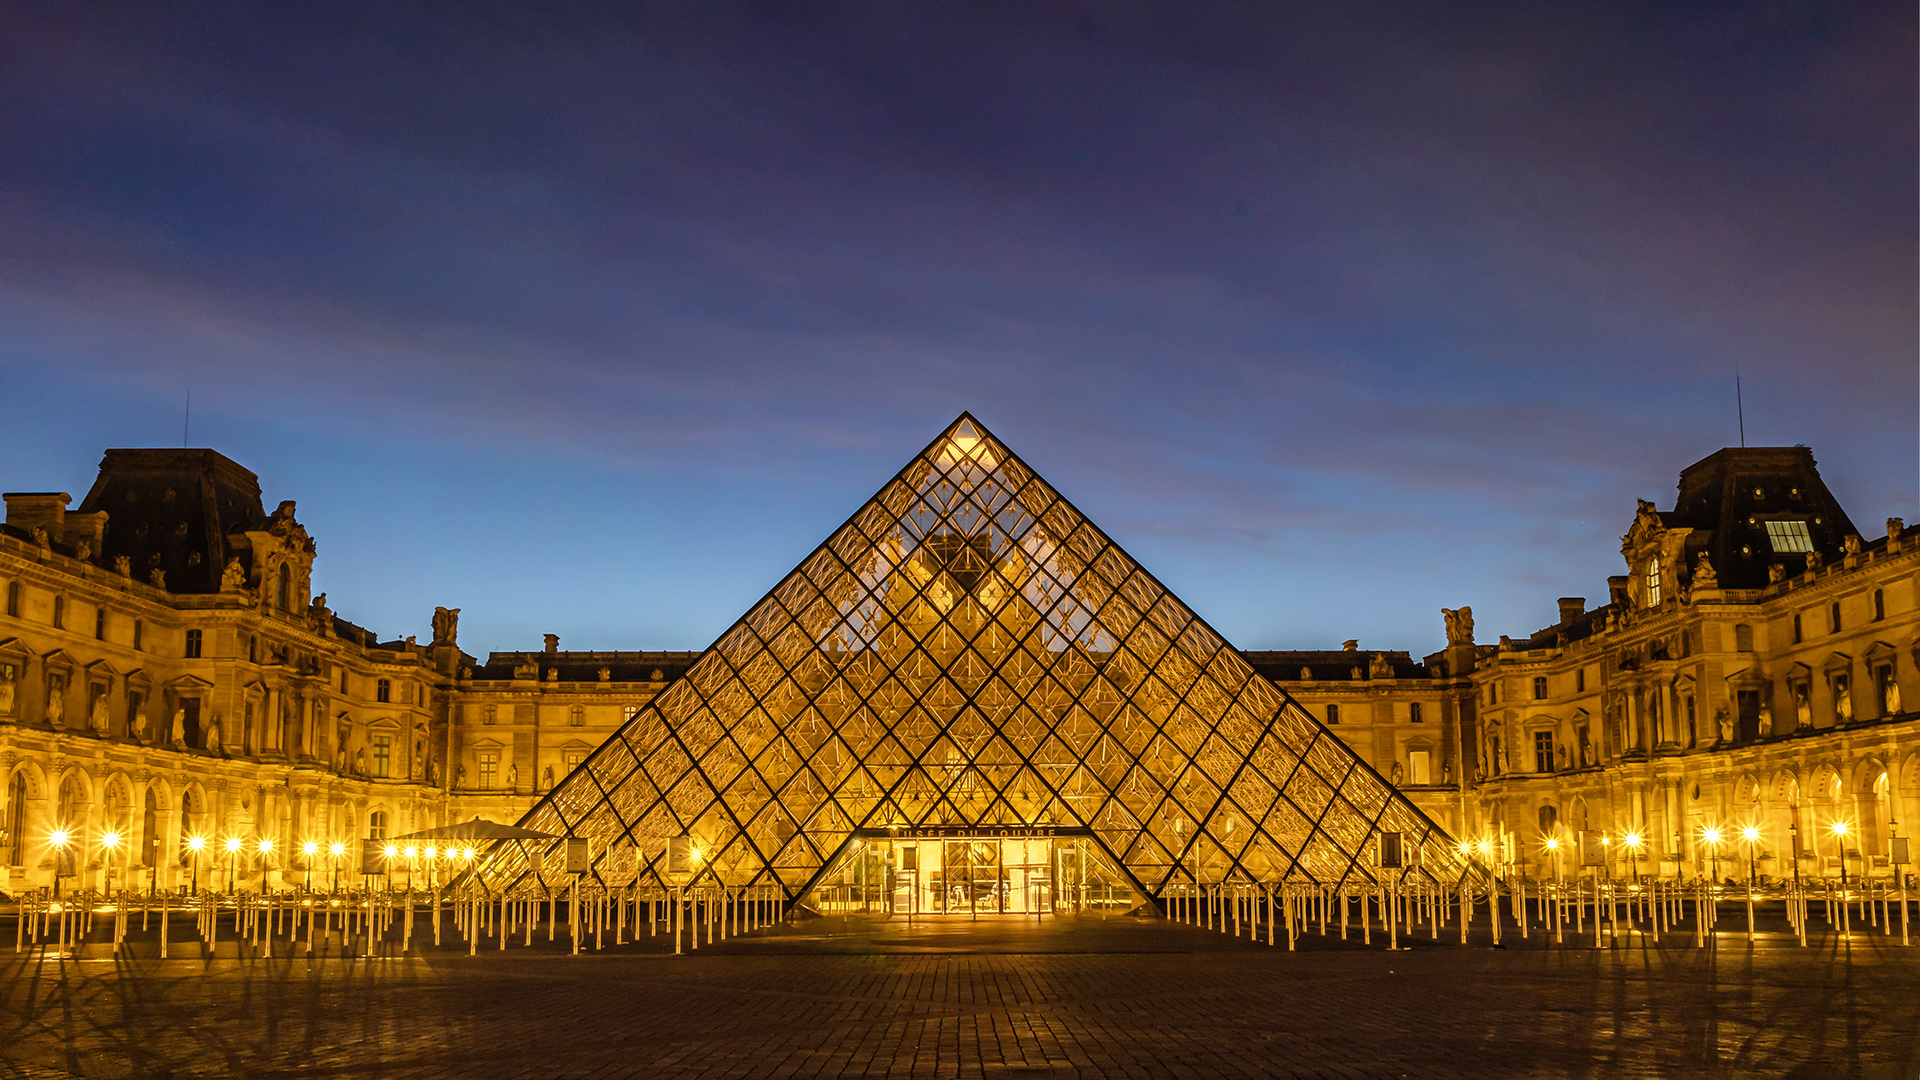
[969, 650]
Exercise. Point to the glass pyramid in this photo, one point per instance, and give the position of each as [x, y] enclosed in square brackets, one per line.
[968, 652]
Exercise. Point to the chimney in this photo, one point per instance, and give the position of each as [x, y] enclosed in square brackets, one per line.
[1350, 646]
[1571, 608]
[29, 510]
[1617, 590]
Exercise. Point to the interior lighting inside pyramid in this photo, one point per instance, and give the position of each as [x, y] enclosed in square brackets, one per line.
[969, 698]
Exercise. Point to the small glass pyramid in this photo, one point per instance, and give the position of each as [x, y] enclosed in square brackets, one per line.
[969, 657]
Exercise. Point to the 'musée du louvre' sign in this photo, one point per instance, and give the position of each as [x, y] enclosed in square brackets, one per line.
[968, 655]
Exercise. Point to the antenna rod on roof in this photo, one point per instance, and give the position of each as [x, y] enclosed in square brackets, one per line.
[1739, 405]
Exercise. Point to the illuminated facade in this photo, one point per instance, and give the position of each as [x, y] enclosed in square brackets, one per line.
[1029, 705]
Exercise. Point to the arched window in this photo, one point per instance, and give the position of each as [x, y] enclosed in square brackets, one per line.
[1333, 714]
[186, 826]
[17, 820]
[1653, 582]
[283, 588]
[149, 829]
[377, 825]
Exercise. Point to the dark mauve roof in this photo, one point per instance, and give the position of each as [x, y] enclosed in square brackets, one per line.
[165, 506]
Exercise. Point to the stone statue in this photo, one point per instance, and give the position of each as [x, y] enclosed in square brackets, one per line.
[513, 777]
[6, 690]
[460, 776]
[1776, 573]
[1379, 667]
[158, 577]
[1724, 719]
[1560, 753]
[1446, 771]
[1398, 776]
[433, 773]
[446, 625]
[212, 739]
[1814, 561]
[140, 725]
[606, 674]
[1851, 544]
[39, 536]
[547, 780]
[234, 577]
[1586, 749]
[1704, 576]
[419, 759]
[97, 716]
[1459, 625]
[57, 704]
[179, 734]
[360, 762]
[317, 610]
[83, 551]
[123, 566]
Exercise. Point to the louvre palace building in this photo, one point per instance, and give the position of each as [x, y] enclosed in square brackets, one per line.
[966, 658]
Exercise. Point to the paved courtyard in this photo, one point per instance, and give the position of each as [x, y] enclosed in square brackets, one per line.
[1000, 998]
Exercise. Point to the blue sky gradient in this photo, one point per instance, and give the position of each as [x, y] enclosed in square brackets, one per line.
[596, 320]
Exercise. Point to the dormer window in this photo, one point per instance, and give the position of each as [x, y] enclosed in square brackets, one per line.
[1789, 536]
[1653, 582]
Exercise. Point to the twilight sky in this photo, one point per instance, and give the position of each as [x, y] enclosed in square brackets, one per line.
[597, 322]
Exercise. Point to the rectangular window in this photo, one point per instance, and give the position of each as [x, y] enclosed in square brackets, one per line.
[343, 681]
[1879, 604]
[1653, 582]
[100, 623]
[1742, 638]
[489, 769]
[139, 631]
[1796, 629]
[1539, 688]
[382, 755]
[1413, 713]
[13, 599]
[628, 712]
[1833, 614]
[1419, 767]
[59, 613]
[193, 645]
[383, 690]
[1580, 680]
[1543, 751]
[577, 716]
[489, 714]
[573, 759]
[1789, 536]
[1333, 714]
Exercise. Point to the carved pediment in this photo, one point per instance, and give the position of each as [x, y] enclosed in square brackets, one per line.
[1837, 663]
[1880, 653]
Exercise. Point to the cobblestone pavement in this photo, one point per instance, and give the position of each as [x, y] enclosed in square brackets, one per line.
[1002, 998]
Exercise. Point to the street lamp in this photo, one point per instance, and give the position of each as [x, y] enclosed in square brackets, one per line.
[234, 845]
[309, 850]
[60, 839]
[265, 848]
[196, 844]
[1710, 836]
[111, 841]
[334, 851]
[391, 852]
[1751, 834]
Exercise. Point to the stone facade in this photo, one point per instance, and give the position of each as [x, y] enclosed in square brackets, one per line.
[165, 672]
